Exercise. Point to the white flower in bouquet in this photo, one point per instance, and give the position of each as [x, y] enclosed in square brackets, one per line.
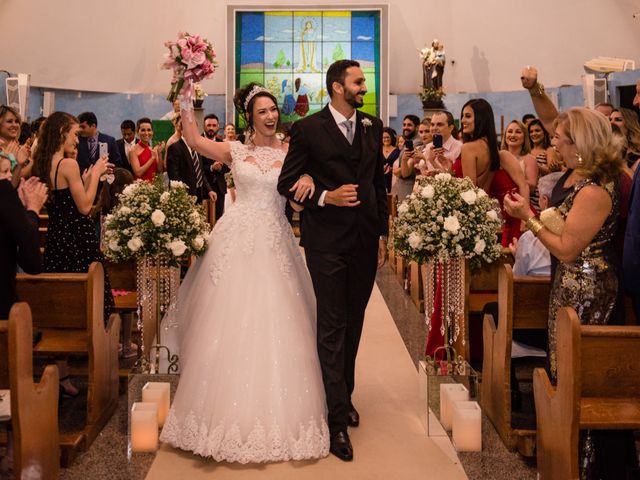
[177, 247]
[194, 217]
[134, 244]
[415, 240]
[403, 208]
[164, 198]
[469, 196]
[176, 184]
[480, 246]
[158, 217]
[452, 224]
[113, 245]
[198, 242]
[443, 176]
[492, 215]
[129, 189]
[124, 210]
[427, 192]
[481, 193]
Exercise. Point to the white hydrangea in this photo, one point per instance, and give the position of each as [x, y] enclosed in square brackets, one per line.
[451, 224]
[469, 196]
[480, 246]
[415, 240]
[427, 191]
[177, 247]
[134, 244]
[158, 217]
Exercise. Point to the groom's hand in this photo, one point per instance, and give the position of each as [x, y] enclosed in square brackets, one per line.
[344, 196]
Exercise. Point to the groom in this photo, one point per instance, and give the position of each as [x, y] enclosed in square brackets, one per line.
[343, 230]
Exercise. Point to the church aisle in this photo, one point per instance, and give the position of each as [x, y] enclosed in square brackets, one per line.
[390, 442]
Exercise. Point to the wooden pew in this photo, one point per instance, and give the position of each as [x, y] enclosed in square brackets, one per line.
[68, 309]
[598, 387]
[392, 206]
[523, 303]
[34, 406]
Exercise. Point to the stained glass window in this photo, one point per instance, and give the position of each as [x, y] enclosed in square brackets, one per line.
[289, 53]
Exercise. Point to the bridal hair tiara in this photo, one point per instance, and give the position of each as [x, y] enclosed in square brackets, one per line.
[254, 91]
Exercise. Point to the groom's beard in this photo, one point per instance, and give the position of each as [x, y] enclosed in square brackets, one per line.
[352, 99]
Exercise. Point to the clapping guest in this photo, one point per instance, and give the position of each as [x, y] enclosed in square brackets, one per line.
[627, 121]
[19, 237]
[541, 148]
[72, 244]
[144, 160]
[390, 152]
[516, 141]
[19, 155]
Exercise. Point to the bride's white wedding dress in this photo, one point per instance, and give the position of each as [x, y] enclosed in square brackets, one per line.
[250, 386]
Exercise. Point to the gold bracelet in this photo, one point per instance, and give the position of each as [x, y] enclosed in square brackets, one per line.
[534, 225]
[537, 90]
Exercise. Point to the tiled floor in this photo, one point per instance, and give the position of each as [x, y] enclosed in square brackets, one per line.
[108, 456]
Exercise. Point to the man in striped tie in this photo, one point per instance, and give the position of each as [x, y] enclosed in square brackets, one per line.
[184, 164]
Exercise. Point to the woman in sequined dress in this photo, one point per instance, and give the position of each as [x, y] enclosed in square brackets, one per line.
[585, 278]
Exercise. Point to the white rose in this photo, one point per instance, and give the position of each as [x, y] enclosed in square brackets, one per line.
[443, 176]
[415, 240]
[452, 224]
[480, 246]
[177, 247]
[158, 218]
[164, 197]
[481, 193]
[124, 210]
[427, 191]
[491, 213]
[113, 245]
[176, 184]
[403, 208]
[134, 244]
[129, 189]
[469, 196]
[198, 242]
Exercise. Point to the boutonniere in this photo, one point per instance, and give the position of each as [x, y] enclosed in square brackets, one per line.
[366, 123]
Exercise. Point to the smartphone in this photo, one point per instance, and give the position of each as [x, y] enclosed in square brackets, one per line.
[437, 140]
[104, 149]
[408, 145]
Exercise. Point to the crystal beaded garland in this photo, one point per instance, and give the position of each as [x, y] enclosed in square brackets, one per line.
[451, 274]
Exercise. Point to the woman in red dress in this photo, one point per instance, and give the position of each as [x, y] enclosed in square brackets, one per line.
[145, 160]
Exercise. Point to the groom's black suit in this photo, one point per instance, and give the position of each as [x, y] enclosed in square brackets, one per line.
[341, 243]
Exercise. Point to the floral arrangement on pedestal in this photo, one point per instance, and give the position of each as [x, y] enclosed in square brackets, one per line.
[200, 95]
[154, 221]
[445, 221]
[431, 97]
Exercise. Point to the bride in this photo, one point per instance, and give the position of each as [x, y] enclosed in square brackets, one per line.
[250, 386]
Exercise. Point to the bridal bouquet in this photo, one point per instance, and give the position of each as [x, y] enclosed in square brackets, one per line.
[446, 218]
[191, 58]
[153, 221]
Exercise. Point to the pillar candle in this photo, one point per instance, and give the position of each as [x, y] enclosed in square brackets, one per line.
[144, 427]
[450, 393]
[158, 393]
[467, 427]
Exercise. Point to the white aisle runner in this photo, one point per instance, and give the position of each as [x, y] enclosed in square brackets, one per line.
[389, 444]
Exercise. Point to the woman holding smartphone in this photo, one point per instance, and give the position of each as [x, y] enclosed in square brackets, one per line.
[72, 244]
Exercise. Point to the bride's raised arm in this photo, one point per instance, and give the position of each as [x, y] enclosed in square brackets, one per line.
[219, 151]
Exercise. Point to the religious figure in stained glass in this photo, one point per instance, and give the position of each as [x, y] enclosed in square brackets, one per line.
[308, 48]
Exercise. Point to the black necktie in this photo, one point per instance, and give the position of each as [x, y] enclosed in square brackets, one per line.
[197, 167]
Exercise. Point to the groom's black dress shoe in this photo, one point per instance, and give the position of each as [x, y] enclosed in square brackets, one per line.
[353, 417]
[341, 446]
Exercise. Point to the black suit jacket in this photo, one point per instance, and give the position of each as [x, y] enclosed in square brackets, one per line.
[19, 244]
[216, 179]
[180, 167]
[124, 159]
[85, 159]
[319, 148]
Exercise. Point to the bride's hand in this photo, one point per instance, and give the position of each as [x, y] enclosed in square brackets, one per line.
[303, 188]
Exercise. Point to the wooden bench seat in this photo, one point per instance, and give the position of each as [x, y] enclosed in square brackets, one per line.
[598, 388]
[69, 309]
[523, 304]
[34, 406]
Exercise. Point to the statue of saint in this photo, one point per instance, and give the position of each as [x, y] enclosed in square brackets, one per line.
[433, 61]
[308, 48]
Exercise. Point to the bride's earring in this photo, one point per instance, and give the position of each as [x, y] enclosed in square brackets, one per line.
[580, 161]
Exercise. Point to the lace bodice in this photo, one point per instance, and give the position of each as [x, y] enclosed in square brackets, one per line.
[255, 174]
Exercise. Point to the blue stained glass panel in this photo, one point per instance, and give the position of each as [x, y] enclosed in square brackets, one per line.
[252, 26]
